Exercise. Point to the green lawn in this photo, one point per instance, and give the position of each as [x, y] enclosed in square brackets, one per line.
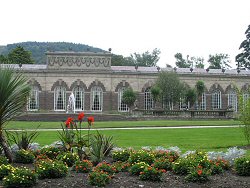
[186, 139]
[53, 125]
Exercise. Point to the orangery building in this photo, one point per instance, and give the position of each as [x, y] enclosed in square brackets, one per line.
[98, 86]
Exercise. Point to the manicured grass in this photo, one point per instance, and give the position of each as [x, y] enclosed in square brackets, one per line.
[207, 139]
[57, 125]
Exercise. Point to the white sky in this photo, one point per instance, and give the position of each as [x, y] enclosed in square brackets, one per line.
[191, 27]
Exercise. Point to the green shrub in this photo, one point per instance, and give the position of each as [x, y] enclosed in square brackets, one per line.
[121, 166]
[242, 166]
[50, 152]
[98, 178]
[182, 165]
[216, 169]
[20, 177]
[224, 164]
[68, 158]
[3, 160]
[162, 163]
[170, 155]
[151, 174]
[24, 156]
[51, 169]
[199, 158]
[121, 155]
[197, 175]
[141, 156]
[5, 170]
[105, 167]
[137, 168]
[83, 166]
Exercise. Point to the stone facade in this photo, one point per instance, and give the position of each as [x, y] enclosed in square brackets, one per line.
[100, 83]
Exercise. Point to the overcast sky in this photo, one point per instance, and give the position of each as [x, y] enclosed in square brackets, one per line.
[191, 27]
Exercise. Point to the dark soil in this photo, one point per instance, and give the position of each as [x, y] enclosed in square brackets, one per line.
[124, 180]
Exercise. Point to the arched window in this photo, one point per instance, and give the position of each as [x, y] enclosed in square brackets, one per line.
[148, 100]
[79, 98]
[216, 100]
[60, 98]
[122, 107]
[203, 102]
[245, 98]
[33, 100]
[232, 99]
[96, 98]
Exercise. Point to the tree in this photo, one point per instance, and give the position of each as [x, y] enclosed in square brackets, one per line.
[243, 58]
[181, 62]
[147, 59]
[20, 56]
[200, 88]
[14, 92]
[155, 92]
[219, 61]
[198, 62]
[171, 87]
[190, 96]
[129, 97]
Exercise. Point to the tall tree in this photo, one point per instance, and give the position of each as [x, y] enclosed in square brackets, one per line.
[243, 58]
[198, 62]
[181, 62]
[147, 59]
[20, 56]
[219, 61]
[190, 96]
[129, 97]
[171, 87]
[200, 88]
[14, 92]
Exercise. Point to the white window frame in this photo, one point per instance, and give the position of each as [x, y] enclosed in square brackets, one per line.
[79, 94]
[216, 100]
[57, 91]
[122, 107]
[148, 100]
[96, 91]
[232, 99]
[34, 95]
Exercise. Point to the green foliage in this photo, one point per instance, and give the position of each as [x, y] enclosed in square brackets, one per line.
[83, 166]
[136, 168]
[14, 92]
[242, 166]
[243, 58]
[181, 166]
[219, 61]
[101, 146]
[98, 178]
[197, 175]
[51, 169]
[5, 170]
[162, 163]
[68, 158]
[146, 59]
[105, 167]
[171, 86]
[190, 96]
[181, 62]
[3, 160]
[121, 155]
[50, 152]
[121, 166]
[141, 156]
[38, 49]
[24, 156]
[129, 97]
[151, 174]
[20, 177]
[20, 56]
[22, 139]
[216, 169]
[170, 155]
[156, 93]
[198, 62]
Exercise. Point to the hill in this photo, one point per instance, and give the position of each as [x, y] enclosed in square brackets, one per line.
[38, 49]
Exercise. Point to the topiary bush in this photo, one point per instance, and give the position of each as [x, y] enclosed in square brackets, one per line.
[24, 156]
